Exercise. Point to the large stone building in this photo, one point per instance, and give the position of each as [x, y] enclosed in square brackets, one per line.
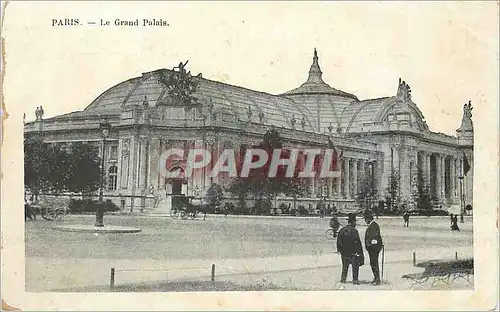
[384, 136]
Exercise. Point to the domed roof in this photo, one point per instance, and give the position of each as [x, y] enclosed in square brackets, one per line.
[314, 106]
[245, 104]
[315, 83]
[326, 103]
[370, 114]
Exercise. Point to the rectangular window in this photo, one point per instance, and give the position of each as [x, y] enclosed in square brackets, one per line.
[113, 152]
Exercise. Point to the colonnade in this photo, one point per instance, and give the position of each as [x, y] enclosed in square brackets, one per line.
[440, 170]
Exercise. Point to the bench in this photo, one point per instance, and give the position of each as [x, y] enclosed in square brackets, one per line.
[442, 271]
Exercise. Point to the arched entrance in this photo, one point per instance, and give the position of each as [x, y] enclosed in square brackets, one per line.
[175, 187]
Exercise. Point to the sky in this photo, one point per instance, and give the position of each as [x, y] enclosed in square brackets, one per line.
[447, 52]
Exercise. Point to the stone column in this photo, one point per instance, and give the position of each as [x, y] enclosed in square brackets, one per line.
[455, 179]
[377, 174]
[443, 177]
[428, 168]
[338, 184]
[338, 187]
[163, 145]
[469, 180]
[154, 170]
[404, 168]
[329, 182]
[363, 168]
[443, 185]
[124, 163]
[347, 181]
[312, 187]
[354, 178]
[452, 178]
[395, 158]
[209, 146]
[143, 162]
[438, 176]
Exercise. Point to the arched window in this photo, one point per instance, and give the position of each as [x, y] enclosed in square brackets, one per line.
[113, 177]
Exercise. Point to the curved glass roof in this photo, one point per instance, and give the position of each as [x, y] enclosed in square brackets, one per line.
[323, 109]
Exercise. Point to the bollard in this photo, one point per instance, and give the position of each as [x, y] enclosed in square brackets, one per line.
[213, 273]
[112, 279]
[414, 258]
[456, 255]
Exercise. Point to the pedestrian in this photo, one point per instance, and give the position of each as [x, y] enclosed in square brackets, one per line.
[406, 219]
[454, 223]
[334, 224]
[373, 244]
[350, 249]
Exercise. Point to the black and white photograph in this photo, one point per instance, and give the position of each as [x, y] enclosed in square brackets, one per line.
[266, 155]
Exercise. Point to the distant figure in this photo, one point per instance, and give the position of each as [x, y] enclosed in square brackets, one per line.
[334, 224]
[321, 208]
[406, 219]
[350, 249]
[454, 223]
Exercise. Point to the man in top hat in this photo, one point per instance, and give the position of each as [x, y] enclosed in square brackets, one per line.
[350, 249]
[373, 244]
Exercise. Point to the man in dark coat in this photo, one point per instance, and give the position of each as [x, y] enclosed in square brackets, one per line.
[406, 219]
[373, 244]
[334, 224]
[350, 249]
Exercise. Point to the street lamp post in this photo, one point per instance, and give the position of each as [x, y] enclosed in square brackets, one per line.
[104, 128]
[461, 178]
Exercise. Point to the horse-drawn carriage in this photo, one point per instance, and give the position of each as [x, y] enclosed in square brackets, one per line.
[189, 206]
[49, 208]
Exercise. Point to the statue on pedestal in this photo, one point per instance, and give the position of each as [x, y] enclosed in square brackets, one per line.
[467, 117]
[39, 113]
[404, 91]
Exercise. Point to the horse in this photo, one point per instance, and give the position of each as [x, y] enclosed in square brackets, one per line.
[29, 212]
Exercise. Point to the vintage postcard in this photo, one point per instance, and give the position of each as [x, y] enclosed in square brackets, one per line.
[250, 156]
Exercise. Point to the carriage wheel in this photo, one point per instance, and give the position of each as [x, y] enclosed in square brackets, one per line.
[193, 215]
[184, 215]
[59, 214]
[48, 214]
[56, 214]
[174, 213]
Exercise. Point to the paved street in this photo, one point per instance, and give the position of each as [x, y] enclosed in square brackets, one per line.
[289, 253]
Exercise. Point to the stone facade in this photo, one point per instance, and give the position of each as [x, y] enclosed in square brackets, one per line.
[375, 137]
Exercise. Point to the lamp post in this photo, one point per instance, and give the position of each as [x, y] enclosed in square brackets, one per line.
[104, 128]
[461, 178]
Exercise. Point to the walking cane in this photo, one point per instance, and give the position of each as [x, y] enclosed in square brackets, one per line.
[383, 258]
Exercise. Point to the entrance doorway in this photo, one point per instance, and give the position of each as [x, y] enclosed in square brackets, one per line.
[177, 187]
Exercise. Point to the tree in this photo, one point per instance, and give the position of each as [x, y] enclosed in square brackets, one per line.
[258, 183]
[421, 192]
[214, 194]
[84, 169]
[60, 168]
[393, 199]
[366, 193]
[36, 165]
[55, 168]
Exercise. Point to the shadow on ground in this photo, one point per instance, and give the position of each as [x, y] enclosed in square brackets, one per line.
[180, 286]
